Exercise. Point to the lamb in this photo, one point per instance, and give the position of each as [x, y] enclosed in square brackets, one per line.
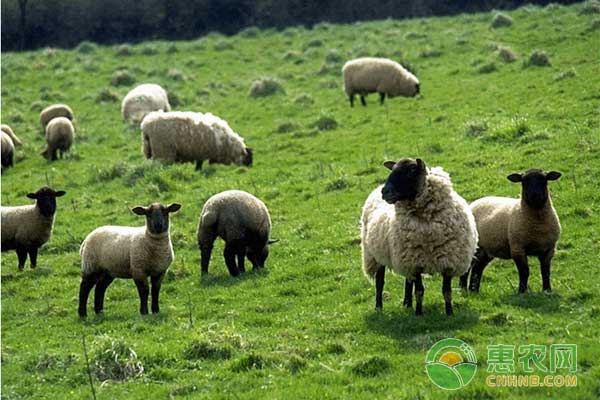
[243, 222]
[142, 100]
[59, 136]
[369, 75]
[26, 228]
[516, 228]
[189, 136]
[7, 129]
[53, 111]
[416, 223]
[7, 149]
[111, 252]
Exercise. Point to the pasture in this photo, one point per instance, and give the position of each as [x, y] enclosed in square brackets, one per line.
[305, 327]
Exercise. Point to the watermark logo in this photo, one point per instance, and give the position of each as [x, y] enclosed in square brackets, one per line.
[451, 364]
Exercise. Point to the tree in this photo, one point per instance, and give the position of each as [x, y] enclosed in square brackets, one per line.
[23, 21]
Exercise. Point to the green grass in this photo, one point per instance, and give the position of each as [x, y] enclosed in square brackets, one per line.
[306, 326]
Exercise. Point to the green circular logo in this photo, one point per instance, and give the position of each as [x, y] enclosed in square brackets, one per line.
[451, 364]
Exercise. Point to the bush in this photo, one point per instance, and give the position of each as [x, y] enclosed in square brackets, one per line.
[539, 58]
[122, 78]
[265, 87]
[501, 20]
[506, 54]
[124, 50]
[112, 359]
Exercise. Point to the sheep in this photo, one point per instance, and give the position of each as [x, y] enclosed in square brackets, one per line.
[369, 75]
[516, 228]
[7, 129]
[142, 100]
[7, 150]
[189, 136]
[53, 111]
[416, 223]
[110, 252]
[243, 222]
[26, 228]
[59, 137]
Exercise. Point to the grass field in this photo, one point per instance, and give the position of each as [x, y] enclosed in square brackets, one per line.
[305, 327]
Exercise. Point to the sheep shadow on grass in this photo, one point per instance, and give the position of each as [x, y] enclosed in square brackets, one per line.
[27, 273]
[540, 302]
[226, 280]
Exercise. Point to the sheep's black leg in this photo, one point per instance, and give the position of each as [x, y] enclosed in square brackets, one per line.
[33, 251]
[54, 155]
[363, 101]
[229, 254]
[545, 261]
[87, 283]
[381, 98]
[447, 292]
[22, 256]
[419, 293]
[199, 165]
[523, 268]
[408, 293]
[464, 279]
[351, 97]
[206, 247]
[478, 264]
[104, 280]
[379, 282]
[156, 283]
[240, 256]
[142, 287]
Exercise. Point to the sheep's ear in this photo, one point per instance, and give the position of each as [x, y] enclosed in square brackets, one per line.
[421, 164]
[139, 210]
[389, 164]
[515, 177]
[553, 175]
[60, 193]
[32, 195]
[271, 241]
[174, 207]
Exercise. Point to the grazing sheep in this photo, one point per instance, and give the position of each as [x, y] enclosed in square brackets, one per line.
[142, 100]
[7, 129]
[243, 222]
[414, 224]
[136, 253]
[369, 75]
[26, 228]
[189, 136]
[7, 149]
[53, 111]
[516, 228]
[59, 137]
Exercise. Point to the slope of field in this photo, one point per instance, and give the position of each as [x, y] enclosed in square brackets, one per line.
[306, 326]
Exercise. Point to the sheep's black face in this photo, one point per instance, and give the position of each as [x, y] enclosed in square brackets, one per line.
[157, 216]
[406, 180]
[534, 184]
[258, 258]
[417, 89]
[46, 200]
[247, 159]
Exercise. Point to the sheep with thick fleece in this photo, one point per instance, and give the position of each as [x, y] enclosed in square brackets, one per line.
[142, 100]
[416, 223]
[54, 111]
[516, 228]
[136, 253]
[243, 222]
[8, 130]
[59, 137]
[386, 77]
[189, 136]
[7, 149]
[26, 228]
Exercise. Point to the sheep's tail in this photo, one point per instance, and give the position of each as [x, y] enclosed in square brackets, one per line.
[146, 148]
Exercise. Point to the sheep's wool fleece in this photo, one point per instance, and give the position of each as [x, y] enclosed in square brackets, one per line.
[369, 74]
[25, 225]
[436, 232]
[7, 144]
[190, 136]
[60, 132]
[7, 129]
[126, 252]
[53, 111]
[233, 213]
[142, 100]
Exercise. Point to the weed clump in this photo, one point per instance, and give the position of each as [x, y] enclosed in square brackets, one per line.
[249, 362]
[304, 99]
[295, 363]
[314, 43]
[325, 123]
[487, 68]
[590, 7]
[430, 53]
[265, 87]
[106, 95]
[287, 127]
[570, 73]
[175, 74]
[198, 350]
[501, 20]
[149, 50]
[337, 184]
[250, 32]
[333, 56]
[506, 54]
[124, 50]
[223, 45]
[86, 47]
[370, 367]
[334, 348]
[112, 359]
[122, 78]
[538, 58]
[172, 49]
[476, 128]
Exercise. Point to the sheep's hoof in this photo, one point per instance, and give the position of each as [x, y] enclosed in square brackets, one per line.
[407, 304]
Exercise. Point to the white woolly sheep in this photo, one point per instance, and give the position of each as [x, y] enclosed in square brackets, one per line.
[142, 100]
[243, 222]
[516, 228]
[7, 129]
[416, 223]
[26, 228]
[136, 253]
[369, 75]
[7, 149]
[59, 137]
[189, 136]
[53, 111]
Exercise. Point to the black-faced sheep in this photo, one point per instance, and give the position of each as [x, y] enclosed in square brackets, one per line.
[386, 77]
[136, 253]
[26, 228]
[516, 228]
[142, 100]
[243, 222]
[53, 111]
[414, 224]
[59, 137]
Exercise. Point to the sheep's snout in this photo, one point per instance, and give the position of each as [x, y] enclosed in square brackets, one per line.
[417, 89]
